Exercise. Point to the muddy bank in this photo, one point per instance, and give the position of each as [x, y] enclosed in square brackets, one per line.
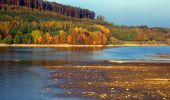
[148, 81]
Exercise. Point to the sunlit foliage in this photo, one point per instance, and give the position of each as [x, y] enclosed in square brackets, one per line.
[22, 25]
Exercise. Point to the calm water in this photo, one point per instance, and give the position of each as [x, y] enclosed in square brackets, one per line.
[23, 75]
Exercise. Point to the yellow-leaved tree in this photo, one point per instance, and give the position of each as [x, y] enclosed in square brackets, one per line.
[36, 34]
[63, 36]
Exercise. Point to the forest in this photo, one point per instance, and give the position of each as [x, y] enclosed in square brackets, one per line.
[52, 6]
[31, 24]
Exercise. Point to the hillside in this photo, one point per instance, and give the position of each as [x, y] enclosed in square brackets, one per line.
[32, 25]
[51, 6]
[24, 25]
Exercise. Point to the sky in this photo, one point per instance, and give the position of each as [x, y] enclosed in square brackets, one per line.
[153, 13]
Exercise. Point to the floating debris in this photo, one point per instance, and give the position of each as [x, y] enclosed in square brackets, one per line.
[127, 89]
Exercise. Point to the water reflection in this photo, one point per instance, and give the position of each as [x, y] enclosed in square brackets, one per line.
[47, 54]
[77, 55]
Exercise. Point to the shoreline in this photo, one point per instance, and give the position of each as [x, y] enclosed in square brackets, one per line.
[67, 45]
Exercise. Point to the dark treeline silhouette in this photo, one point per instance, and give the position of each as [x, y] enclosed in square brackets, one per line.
[52, 6]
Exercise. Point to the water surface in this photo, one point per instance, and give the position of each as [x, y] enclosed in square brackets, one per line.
[23, 72]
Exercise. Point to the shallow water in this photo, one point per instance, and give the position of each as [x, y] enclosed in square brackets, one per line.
[23, 75]
[84, 54]
[134, 54]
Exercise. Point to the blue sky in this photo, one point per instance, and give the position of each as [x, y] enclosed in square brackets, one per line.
[154, 13]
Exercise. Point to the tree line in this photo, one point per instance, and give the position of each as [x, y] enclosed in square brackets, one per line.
[52, 6]
[141, 34]
[23, 25]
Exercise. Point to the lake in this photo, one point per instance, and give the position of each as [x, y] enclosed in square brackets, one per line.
[24, 75]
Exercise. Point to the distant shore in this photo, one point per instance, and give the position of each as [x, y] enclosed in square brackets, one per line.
[67, 45]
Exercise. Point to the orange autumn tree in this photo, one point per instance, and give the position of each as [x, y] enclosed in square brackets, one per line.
[104, 30]
[48, 38]
[69, 39]
[56, 39]
[102, 36]
[4, 28]
[79, 35]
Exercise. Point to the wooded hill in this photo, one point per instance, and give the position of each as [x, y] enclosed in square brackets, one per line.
[24, 25]
[30, 24]
[51, 6]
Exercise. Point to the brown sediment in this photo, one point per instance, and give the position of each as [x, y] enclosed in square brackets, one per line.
[148, 81]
